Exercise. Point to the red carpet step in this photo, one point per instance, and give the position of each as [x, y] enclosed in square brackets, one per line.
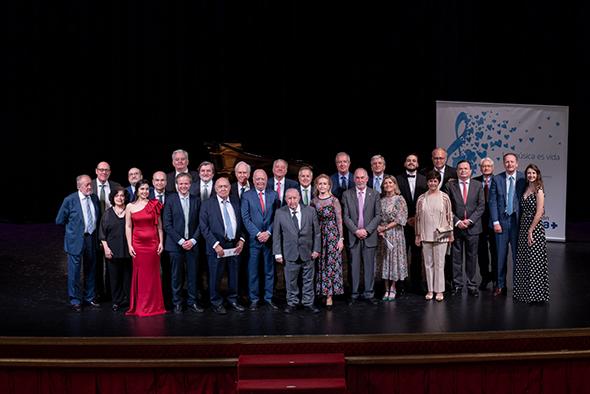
[301, 373]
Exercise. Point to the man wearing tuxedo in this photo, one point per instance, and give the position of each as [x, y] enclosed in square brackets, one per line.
[505, 193]
[80, 213]
[297, 244]
[180, 163]
[412, 185]
[467, 200]
[487, 255]
[342, 180]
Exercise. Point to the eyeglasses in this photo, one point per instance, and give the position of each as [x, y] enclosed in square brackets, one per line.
[103, 169]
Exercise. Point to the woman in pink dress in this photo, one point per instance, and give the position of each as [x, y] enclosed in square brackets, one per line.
[143, 230]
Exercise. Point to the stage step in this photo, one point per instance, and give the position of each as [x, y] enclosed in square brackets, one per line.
[302, 373]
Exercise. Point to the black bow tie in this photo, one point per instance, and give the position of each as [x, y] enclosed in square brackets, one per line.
[411, 176]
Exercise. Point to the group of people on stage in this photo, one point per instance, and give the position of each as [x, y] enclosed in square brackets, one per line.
[417, 231]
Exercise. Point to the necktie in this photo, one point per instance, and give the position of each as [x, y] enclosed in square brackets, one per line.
[361, 202]
[242, 191]
[486, 188]
[161, 198]
[229, 230]
[295, 222]
[185, 211]
[102, 198]
[204, 192]
[261, 198]
[89, 217]
[279, 191]
[343, 182]
[377, 184]
[305, 197]
[411, 176]
[465, 198]
[509, 203]
[464, 192]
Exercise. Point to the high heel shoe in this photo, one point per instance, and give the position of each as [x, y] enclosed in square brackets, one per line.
[440, 297]
[428, 296]
[386, 296]
[392, 295]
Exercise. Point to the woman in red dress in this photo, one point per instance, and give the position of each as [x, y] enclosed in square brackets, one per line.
[143, 230]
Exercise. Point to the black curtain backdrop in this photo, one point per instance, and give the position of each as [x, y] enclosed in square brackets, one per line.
[129, 82]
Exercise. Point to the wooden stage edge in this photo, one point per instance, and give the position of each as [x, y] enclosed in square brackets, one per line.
[394, 349]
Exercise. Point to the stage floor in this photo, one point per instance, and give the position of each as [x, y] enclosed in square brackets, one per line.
[33, 303]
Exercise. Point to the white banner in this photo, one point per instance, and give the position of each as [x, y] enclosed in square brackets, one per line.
[536, 133]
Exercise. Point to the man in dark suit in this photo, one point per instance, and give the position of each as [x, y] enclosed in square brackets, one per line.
[102, 186]
[242, 184]
[377, 173]
[181, 224]
[468, 202]
[134, 175]
[220, 223]
[203, 185]
[412, 185]
[342, 180]
[439, 164]
[278, 182]
[297, 243]
[180, 163]
[361, 216]
[306, 189]
[160, 183]
[487, 255]
[505, 192]
[258, 211]
[80, 213]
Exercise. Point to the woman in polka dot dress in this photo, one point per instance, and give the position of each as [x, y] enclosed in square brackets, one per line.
[531, 274]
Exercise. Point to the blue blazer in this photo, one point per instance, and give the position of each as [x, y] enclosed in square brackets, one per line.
[254, 220]
[497, 197]
[174, 221]
[70, 214]
[287, 184]
[211, 223]
[336, 189]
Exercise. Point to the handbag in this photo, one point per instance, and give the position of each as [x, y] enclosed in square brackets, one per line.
[444, 230]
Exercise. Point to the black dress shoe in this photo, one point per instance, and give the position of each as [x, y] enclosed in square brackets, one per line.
[115, 307]
[237, 307]
[196, 308]
[93, 304]
[253, 306]
[373, 301]
[473, 292]
[219, 309]
[272, 305]
[457, 291]
[311, 308]
[329, 307]
[484, 284]
[289, 309]
[352, 301]
[77, 308]
[178, 309]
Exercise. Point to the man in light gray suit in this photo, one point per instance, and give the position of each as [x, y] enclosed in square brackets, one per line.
[468, 201]
[297, 243]
[362, 214]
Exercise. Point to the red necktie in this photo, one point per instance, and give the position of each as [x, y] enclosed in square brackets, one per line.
[279, 190]
[261, 201]
[465, 197]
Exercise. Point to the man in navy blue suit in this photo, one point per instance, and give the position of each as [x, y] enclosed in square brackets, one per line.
[181, 223]
[343, 179]
[220, 223]
[258, 208]
[505, 193]
[80, 213]
[278, 182]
